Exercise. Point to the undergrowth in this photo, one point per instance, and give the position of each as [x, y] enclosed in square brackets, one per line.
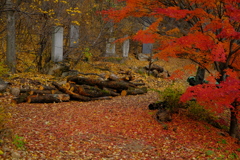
[171, 96]
[3, 69]
[3, 120]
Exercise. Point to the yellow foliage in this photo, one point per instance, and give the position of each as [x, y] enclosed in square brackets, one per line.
[173, 32]
[3, 69]
[76, 23]
[3, 116]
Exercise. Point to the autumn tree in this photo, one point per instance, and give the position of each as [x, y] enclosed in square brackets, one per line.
[204, 31]
[11, 36]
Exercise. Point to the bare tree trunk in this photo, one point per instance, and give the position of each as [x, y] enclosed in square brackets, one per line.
[233, 131]
[11, 37]
[200, 75]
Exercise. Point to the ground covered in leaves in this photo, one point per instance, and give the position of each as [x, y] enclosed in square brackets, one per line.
[121, 128]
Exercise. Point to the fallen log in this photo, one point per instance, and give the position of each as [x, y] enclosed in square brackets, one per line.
[119, 85]
[72, 95]
[21, 98]
[81, 89]
[102, 98]
[49, 98]
[25, 90]
[91, 91]
[44, 87]
[112, 92]
[156, 67]
[41, 92]
[126, 78]
[136, 91]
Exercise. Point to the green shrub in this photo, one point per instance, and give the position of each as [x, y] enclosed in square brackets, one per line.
[19, 142]
[198, 112]
[171, 98]
[87, 54]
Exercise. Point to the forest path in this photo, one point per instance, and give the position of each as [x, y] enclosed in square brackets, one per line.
[121, 128]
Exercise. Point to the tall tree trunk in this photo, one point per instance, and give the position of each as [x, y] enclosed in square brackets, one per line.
[11, 37]
[200, 75]
[233, 131]
[146, 47]
[43, 42]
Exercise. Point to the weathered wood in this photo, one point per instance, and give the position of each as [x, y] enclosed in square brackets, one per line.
[128, 77]
[102, 98]
[49, 98]
[43, 87]
[123, 93]
[135, 91]
[155, 67]
[120, 85]
[91, 91]
[25, 90]
[81, 89]
[137, 84]
[72, 95]
[15, 91]
[103, 75]
[111, 92]
[113, 77]
[41, 92]
[21, 98]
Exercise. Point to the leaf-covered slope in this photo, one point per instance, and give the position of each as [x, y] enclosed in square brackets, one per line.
[122, 128]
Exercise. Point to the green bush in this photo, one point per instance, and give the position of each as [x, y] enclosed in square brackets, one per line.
[87, 54]
[19, 142]
[171, 98]
[198, 112]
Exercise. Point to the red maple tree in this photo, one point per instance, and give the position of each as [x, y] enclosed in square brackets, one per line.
[208, 34]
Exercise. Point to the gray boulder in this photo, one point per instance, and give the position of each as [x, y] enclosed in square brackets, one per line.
[3, 85]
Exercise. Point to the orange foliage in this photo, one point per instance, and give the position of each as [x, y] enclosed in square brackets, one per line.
[122, 128]
[213, 38]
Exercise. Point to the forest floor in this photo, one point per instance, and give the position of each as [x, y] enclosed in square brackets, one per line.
[120, 128]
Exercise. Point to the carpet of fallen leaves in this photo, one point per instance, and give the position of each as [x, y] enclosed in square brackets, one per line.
[121, 128]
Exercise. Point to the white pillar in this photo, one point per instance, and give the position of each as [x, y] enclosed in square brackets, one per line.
[125, 47]
[57, 44]
[74, 36]
[110, 47]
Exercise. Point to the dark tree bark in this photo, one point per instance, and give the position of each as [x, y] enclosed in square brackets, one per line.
[233, 131]
[21, 98]
[119, 85]
[136, 91]
[200, 75]
[92, 91]
[155, 67]
[11, 58]
[198, 79]
[48, 98]
[41, 92]
[72, 94]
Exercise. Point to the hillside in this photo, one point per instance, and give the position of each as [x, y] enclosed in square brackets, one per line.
[121, 128]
